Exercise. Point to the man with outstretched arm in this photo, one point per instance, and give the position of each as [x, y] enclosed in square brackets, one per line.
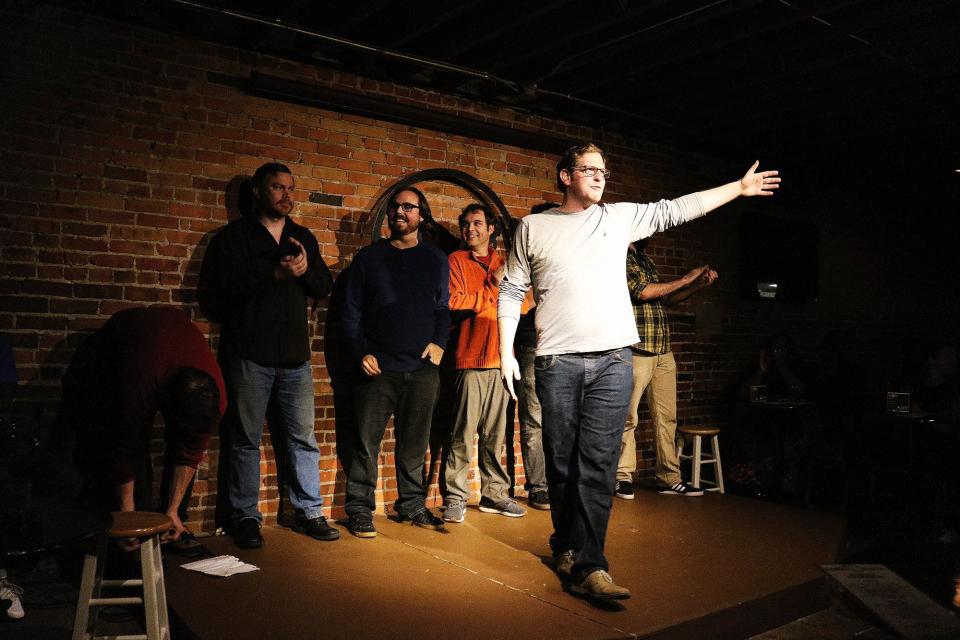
[573, 256]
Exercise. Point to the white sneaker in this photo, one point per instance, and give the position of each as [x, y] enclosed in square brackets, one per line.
[455, 511]
[682, 489]
[11, 592]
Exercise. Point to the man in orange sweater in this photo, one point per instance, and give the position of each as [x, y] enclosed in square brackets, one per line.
[481, 399]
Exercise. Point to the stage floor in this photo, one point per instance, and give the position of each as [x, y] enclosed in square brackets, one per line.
[717, 566]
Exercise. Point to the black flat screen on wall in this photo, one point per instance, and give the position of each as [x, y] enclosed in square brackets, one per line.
[777, 259]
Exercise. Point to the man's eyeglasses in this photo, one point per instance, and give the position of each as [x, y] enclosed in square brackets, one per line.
[406, 207]
[592, 171]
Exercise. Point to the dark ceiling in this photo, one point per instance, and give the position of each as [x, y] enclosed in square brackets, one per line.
[801, 77]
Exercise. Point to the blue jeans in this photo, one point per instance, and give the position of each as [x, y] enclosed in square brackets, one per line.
[250, 388]
[584, 398]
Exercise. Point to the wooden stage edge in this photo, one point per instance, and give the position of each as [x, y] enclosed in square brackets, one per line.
[712, 567]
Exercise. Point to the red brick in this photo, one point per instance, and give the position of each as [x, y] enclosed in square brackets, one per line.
[124, 173]
[129, 246]
[112, 260]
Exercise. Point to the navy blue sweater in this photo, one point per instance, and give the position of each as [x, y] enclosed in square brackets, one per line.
[396, 303]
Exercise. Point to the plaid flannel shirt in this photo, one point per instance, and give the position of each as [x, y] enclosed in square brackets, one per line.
[650, 315]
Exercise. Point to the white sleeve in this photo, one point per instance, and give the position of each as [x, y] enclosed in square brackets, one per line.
[516, 277]
[654, 217]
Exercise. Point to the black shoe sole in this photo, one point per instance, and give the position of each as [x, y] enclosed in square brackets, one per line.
[624, 496]
[439, 526]
[539, 506]
[327, 537]
[363, 534]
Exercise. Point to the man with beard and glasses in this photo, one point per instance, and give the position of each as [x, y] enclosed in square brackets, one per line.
[258, 275]
[573, 256]
[395, 323]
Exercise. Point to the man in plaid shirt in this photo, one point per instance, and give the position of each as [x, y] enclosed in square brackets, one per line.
[655, 370]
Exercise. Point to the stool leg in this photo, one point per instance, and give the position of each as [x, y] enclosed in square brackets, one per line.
[93, 561]
[697, 443]
[715, 445]
[161, 595]
[151, 603]
[680, 442]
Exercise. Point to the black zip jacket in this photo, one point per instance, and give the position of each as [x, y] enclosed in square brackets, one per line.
[262, 319]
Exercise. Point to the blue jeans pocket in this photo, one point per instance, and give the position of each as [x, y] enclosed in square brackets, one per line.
[544, 363]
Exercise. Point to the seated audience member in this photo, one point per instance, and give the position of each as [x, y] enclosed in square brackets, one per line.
[778, 369]
[481, 399]
[141, 361]
[770, 441]
[9, 592]
[940, 393]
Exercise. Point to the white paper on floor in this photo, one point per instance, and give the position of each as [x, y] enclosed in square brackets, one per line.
[220, 566]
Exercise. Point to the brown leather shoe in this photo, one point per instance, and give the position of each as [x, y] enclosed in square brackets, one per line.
[600, 585]
[563, 562]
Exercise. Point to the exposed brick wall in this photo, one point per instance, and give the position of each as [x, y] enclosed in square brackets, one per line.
[120, 158]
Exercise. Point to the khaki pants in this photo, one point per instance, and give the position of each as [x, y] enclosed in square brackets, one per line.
[658, 376]
[481, 409]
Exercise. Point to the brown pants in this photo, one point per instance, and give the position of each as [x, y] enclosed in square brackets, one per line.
[657, 375]
[481, 409]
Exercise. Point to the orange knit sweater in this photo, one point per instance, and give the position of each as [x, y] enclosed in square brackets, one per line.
[478, 339]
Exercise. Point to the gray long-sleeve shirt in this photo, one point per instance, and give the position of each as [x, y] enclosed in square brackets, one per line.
[575, 264]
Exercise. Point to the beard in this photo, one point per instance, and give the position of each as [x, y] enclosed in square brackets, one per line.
[396, 225]
[275, 210]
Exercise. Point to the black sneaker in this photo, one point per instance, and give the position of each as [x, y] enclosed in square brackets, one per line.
[317, 528]
[246, 534]
[539, 500]
[682, 489]
[187, 546]
[424, 519]
[624, 489]
[361, 525]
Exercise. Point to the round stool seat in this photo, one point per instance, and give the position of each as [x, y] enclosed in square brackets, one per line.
[138, 524]
[699, 431]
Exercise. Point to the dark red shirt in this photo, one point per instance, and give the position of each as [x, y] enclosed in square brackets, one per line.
[143, 349]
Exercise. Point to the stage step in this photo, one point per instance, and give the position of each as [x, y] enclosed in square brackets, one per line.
[901, 607]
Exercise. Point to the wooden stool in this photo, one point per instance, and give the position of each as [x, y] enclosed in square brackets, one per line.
[147, 527]
[698, 433]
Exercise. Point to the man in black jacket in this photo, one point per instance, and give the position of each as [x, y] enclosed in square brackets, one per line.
[257, 276]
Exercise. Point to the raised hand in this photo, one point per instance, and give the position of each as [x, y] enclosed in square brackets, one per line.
[293, 266]
[759, 184]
